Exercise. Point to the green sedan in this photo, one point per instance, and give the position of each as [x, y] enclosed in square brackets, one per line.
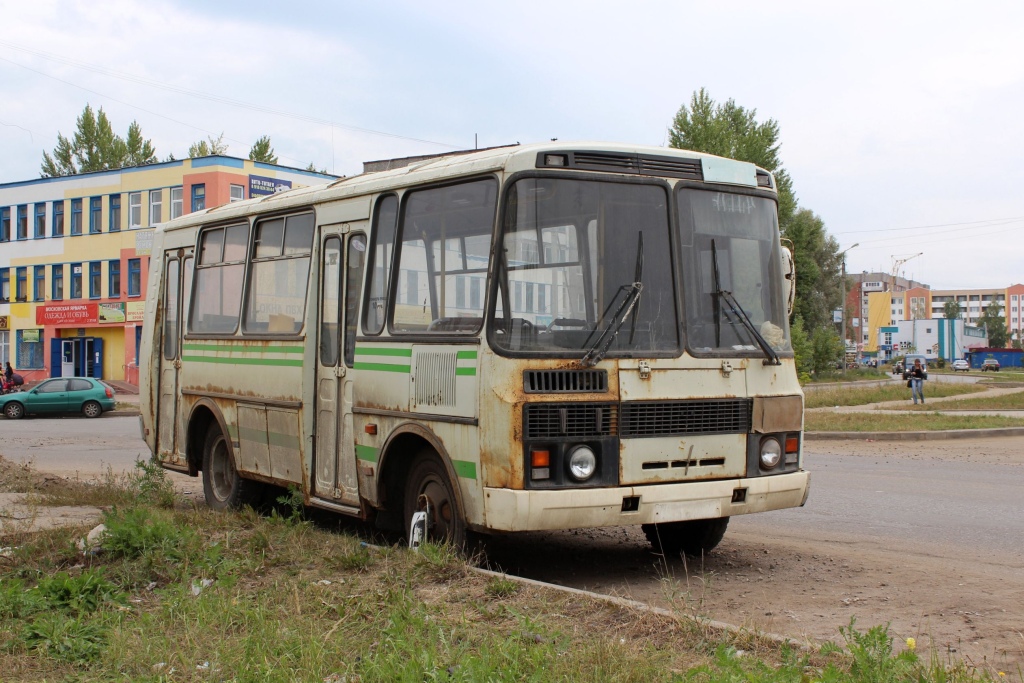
[84, 395]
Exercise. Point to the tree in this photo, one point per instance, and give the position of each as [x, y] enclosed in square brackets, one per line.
[819, 286]
[262, 151]
[95, 147]
[995, 325]
[951, 310]
[731, 131]
[826, 349]
[208, 148]
[802, 350]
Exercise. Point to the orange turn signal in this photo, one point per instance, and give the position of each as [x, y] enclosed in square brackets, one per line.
[539, 458]
[370, 428]
[792, 444]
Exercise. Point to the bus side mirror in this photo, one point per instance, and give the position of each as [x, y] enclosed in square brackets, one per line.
[789, 277]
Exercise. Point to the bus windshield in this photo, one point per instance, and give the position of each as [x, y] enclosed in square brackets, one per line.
[585, 269]
[731, 271]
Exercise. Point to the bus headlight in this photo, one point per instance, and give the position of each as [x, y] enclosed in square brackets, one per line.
[771, 453]
[582, 463]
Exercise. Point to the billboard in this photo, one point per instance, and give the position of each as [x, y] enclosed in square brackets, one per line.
[261, 185]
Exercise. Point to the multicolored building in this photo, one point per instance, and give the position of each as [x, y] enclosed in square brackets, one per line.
[74, 256]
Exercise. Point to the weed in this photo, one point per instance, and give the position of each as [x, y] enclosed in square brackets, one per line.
[82, 594]
[74, 640]
[500, 587]
[134, 532]
[17, 601]
[358, 560]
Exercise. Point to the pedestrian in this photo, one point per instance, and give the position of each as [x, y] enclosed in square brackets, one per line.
[917, 381]
[8, 372]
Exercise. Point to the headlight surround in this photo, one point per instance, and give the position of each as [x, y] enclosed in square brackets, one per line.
[771, 453]
[582, 463]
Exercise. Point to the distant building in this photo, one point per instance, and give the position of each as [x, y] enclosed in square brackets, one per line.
[74, 256]
[934, 338]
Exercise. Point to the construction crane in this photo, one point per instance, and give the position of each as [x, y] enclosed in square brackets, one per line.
[896, 264]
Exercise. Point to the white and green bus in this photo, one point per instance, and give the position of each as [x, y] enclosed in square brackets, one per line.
[523, 338]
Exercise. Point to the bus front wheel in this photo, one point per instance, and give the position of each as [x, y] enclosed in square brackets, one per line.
[694, 537]
[222, 485]
[428, 488]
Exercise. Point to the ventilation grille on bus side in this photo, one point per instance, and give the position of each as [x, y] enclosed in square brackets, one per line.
[434, 379]
[675, 418]
[664, 166]
[564, 381]
[576, 420]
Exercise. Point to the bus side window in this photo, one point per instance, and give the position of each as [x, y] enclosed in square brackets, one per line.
[385, 221]
[353, 280]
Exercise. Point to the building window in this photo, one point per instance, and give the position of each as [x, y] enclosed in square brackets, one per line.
[23, 222]
[115, 213]
[21, 284]
[95, 276]
[76, 216]
[30, 349]
[134, 277]
[95, 215]
[5, 224]
[134, 210]
[58, 218]
[40, 225]
[156, 203]
[114, 279]
[57, 282]
[198, 197]
[237, 193]
[5, 284]
[39, 287]
[177, 204]
[76, 280]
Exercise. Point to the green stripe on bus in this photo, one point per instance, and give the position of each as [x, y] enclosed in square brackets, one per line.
[364, 351]
[288, 441]
[236, 348]
[465, 468]
[367, 453]
[384, 367]
[466, 355]
[465, 371]
[297, 363]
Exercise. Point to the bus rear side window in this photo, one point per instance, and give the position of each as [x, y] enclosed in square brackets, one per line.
[220, 275]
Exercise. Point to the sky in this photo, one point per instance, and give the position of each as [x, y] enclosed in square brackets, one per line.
[901, 123]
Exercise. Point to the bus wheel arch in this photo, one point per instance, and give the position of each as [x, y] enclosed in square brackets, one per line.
[205, 414]
[406, 446]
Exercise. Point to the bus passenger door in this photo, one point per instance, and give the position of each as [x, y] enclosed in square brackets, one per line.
[170, 360]
[341, 259]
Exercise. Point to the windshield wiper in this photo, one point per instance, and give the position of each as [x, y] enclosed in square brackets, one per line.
[630, 302]
[771, 358]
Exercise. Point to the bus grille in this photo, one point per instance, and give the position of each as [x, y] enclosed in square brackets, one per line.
[564, 381]
[576, 420]
[674, 418]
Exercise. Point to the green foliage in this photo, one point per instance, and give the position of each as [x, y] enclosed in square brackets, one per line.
[294, 505]
[819, 290]
[951, 310]
[262, 151]
[82, 594]
[826, 349]
[149, 484]
[209, 147]
[16, 601]
[995, 325]
[135, 532]
[95, 147]
[802, 349]
[873, 658]
[500, 587]
[72, 640]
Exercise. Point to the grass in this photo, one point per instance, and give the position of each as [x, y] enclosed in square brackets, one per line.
[828, 421]
[851, 375]
[859, 396]
[186, 594]
[1013, 401]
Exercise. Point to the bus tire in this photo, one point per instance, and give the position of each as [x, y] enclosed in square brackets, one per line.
[223, 487]
[694, 537]
[428, 481]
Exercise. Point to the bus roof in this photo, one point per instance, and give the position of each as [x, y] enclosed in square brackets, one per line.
[510, 158]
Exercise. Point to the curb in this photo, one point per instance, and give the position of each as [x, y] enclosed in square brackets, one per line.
[914, 436]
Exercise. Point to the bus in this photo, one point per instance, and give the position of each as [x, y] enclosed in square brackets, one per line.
[532, 337]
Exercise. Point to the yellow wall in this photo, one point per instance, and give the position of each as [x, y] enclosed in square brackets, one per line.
[879, 316]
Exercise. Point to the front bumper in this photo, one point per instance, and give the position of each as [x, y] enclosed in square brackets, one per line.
[515, 510]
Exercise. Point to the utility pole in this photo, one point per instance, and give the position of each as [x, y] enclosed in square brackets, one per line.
[842, 316]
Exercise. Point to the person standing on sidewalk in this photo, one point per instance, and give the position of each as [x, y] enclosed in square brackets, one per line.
[917, 381]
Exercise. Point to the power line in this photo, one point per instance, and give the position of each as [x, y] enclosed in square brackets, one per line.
[927, 227]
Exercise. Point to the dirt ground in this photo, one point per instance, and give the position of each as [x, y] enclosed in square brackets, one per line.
[808, 585]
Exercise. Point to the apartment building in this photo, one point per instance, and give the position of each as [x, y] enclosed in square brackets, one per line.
[74, 256]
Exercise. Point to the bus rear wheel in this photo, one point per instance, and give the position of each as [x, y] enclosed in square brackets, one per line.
[428, 487]
[694, 537]
[224, 488]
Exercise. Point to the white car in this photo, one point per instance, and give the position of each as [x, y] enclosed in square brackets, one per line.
[960, 364]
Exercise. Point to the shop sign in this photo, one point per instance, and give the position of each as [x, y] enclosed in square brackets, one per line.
[5, 322]
[143, 242]
[134, 311]
[111, 313]
[260, 185]
[66, 314]
[30, 335]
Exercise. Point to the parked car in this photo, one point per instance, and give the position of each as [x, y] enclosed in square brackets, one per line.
[84, 395]
[960, 365]
[990, 364]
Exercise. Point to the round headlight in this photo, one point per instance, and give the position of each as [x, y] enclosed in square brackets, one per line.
[771, 453]
[582, 463]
